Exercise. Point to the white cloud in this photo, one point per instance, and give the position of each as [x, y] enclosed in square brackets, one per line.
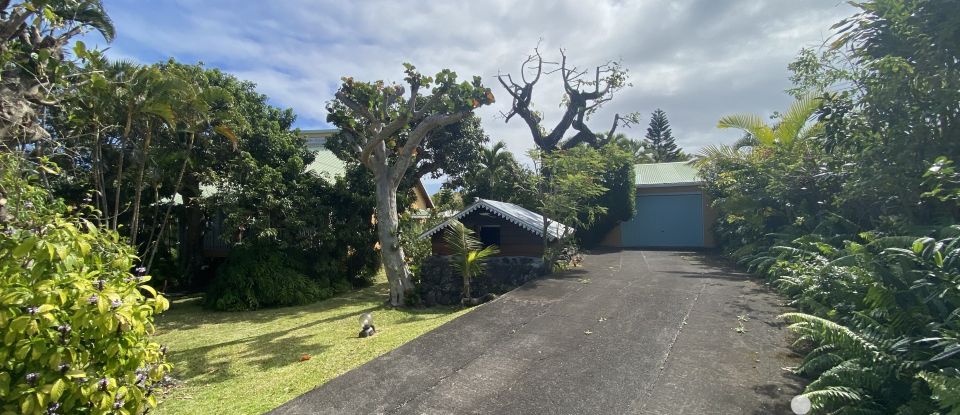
[696, 59]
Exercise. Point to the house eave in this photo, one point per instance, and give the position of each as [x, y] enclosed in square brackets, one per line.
[677, 184]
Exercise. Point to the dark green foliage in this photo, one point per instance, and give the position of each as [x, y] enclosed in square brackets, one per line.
[261, 276]
[660, 141]
[326, 249]
[619, 200]
[67, 300]
[855, 221]
[498, 176]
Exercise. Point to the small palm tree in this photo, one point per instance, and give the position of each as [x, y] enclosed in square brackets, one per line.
[469, 254]
[793, 126]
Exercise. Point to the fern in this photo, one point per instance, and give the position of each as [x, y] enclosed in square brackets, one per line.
[828, 332]
[945, 388]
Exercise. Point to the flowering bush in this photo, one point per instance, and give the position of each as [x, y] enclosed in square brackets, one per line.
[74, 321]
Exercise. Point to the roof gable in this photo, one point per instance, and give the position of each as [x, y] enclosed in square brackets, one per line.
[667, 174]
[524, 218]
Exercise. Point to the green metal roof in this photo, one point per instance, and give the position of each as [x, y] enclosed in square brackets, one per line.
[666, 174]
[326, 164]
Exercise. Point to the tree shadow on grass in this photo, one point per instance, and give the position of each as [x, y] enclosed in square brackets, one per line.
[274, 348]
[189, 313]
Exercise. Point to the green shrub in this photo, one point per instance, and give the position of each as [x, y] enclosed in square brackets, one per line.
[74, 321]
[259, 276]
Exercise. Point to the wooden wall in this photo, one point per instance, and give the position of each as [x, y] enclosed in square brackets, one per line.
[514, 240]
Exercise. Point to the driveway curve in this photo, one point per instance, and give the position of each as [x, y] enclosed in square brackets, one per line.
[648, 332]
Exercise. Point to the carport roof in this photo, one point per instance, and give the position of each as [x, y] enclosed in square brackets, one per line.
[681, 173]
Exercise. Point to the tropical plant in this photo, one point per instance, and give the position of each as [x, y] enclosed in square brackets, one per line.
[76, 322]
[469, 255]
[569, 186]
[792, 126]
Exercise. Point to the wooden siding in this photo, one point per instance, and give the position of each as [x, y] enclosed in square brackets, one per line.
[514, 240]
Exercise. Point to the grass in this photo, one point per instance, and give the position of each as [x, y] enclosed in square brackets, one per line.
[249, 362]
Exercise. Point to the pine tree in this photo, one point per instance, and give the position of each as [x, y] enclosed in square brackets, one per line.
[659, 139]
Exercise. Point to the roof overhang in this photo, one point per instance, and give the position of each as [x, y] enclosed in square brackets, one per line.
[678, 184]
[553, 227]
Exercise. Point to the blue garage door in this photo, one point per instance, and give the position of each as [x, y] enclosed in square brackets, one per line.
[665, 220]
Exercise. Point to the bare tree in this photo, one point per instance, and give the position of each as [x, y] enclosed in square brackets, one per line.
[585, 91]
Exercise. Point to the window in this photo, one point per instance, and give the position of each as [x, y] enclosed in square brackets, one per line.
[490, 235]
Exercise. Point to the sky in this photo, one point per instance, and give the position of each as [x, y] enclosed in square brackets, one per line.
[698, 60]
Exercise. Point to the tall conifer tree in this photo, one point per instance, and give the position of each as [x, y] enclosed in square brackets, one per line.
[659, 139]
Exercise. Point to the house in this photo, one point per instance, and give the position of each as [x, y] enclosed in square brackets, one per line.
[672, 210]
[326, 165]
[516, 231]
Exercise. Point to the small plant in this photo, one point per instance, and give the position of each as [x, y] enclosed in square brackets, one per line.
[469, 255]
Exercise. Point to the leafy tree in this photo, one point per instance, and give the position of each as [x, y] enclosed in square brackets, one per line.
[619, 200]
[659, 139]
[469, 255]
[567, 190]
[636, 148]
[384, 130]
[499, 176]
[33, 34]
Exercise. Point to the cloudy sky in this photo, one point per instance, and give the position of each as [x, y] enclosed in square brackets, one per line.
[696, 59]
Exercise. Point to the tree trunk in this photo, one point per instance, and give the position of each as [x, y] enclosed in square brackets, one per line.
[391, 252]
[166, 216]
[119, 179]
[138, 191]
[466, 287]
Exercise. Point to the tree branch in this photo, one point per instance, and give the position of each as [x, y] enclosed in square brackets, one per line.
[406, 154]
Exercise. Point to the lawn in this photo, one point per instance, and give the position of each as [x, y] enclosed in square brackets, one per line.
[249, 362]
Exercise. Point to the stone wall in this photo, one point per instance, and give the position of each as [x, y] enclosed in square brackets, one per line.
[439, 284]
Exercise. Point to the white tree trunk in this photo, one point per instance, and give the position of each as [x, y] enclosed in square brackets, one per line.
[390, 250]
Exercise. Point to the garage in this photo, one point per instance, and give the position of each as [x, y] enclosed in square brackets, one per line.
[672, 210]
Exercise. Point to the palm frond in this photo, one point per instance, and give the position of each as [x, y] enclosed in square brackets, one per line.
[794, 120]
[751, 123]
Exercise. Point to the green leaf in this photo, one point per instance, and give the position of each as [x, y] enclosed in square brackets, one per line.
[57, 389]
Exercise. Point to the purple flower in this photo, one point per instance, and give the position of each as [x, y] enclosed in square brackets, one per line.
[32, 378]
[52, 409]
[140, 271]
[63, 368]
[93, 299]
[141, 378]
[115, 304]
[100, 284]
[32, 310]
[64, 329]
[102, 384]
[118, 404]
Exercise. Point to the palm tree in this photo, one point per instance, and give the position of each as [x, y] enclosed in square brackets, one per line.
[469, 254]
[155, 93]
[204, 112]
[793, 126]
[494, 160]
[139, 94]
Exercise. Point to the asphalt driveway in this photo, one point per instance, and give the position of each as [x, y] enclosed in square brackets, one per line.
[647, 332]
